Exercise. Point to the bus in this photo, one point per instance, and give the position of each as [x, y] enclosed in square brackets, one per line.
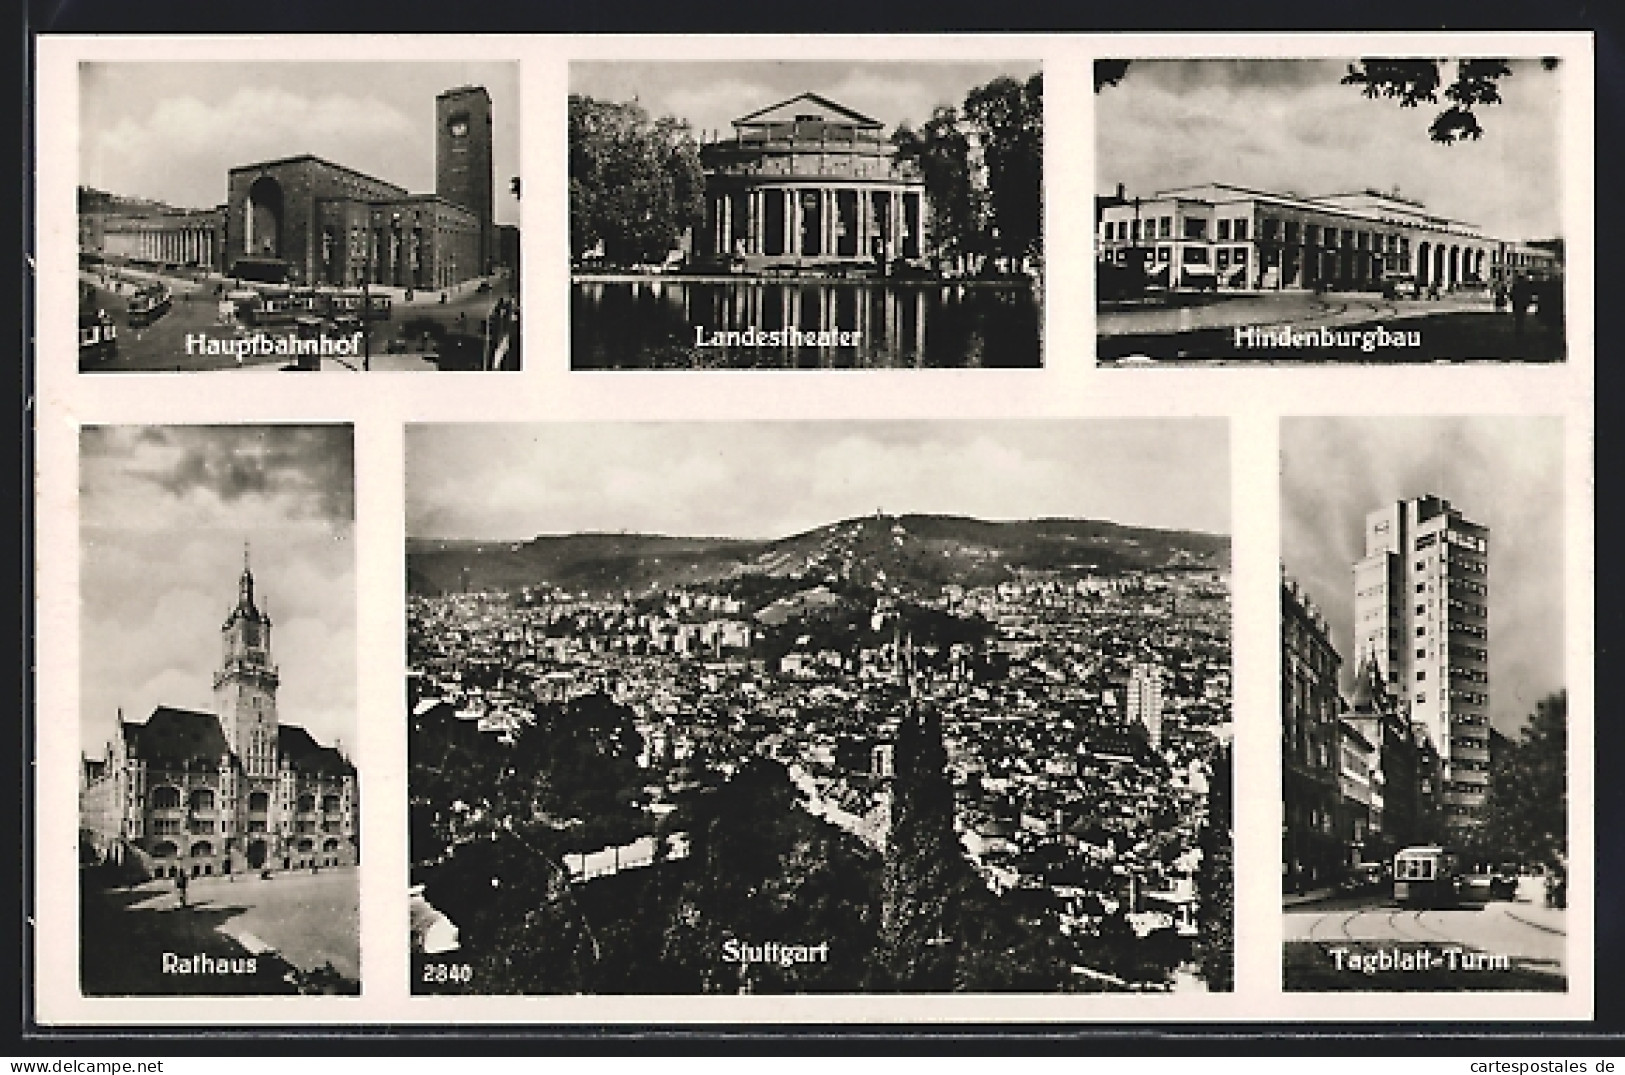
[1427, 876]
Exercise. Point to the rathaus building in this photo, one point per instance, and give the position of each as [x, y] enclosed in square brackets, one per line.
[235, 790]
[809, 182]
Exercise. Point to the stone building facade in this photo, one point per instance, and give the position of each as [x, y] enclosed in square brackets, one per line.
[808, 181]
[309, 221]
[1312, 852]
[1216, 235]
[199, 794]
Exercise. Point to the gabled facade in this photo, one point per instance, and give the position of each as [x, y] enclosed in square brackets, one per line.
[232, 791]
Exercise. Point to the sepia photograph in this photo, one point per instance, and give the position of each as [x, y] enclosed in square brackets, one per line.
[1424, 704]
[1362, 210]
[802, 215]
[218, 811]
[296, 215]
[909, 707]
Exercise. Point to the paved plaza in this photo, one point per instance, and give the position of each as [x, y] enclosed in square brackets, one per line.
[303, 920]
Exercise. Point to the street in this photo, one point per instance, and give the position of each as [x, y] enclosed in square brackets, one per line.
[404, 341]
[1463, 326]
[1369, 943]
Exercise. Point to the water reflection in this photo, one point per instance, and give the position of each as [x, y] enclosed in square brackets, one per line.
[659, 323]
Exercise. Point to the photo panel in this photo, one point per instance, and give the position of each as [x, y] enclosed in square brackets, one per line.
[1326, 210]
[1424, 697]
[219, 839]
[806, 215]
[940, 706]
[348, 216]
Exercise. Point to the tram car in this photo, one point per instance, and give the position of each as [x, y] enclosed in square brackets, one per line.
[1427, 877]
[270, 305]
[98, 336]
[352, 303]
[148, 304]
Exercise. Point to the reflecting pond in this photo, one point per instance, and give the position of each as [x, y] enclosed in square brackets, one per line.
[670, 323]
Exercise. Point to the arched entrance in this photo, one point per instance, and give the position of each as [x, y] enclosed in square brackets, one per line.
[262, 226]
[256, 854]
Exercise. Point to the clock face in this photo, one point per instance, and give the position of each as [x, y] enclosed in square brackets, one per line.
[459, 128]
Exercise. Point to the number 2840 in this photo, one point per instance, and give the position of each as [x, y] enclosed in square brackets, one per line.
[447, 972]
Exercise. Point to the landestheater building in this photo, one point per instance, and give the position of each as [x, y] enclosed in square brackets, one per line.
[810, 181]
[1215, 235]
[235, 790]
[305, 220]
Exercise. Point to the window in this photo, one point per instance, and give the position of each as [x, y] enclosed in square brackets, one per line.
[1241, 230]
[1224, 231]
[1195, 228]
[1421, 697]
[1421, 587]
[1136, 231]
[1421, 653]
[1421, 677]
[1421, 610]
[1165, 227]
[1313, 235]
[1241, 254]
[1420, 631]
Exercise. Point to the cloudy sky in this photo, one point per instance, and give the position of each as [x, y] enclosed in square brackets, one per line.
[1289, 125]
[164, 513]
[710, 96]
[170, 131]
[772, 479]
[1501, 472]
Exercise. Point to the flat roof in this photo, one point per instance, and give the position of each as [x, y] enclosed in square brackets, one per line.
[299, 158]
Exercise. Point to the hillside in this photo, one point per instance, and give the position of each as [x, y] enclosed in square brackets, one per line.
[912, 553]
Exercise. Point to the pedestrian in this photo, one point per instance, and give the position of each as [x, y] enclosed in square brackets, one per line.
[1520, 303]
[180, 885]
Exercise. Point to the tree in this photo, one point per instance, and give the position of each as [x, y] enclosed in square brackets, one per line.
[1526, 811]
[915, 951]
[1414, 82]
[1216, 882]
[941, 150]
[1109, 73]
[635, 184]
[1008, 119]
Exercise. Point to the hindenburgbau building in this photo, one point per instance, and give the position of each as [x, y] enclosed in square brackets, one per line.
[1215, 235]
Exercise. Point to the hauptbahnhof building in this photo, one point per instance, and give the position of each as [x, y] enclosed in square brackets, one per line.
[306, 220]
[810, 180]
[1216, 235]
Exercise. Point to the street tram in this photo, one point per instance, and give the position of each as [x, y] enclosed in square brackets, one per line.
[1427, 877]
[148, 304]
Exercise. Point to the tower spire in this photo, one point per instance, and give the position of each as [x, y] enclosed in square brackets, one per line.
[245, 582]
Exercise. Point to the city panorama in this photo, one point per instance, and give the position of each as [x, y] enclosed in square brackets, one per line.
[898, 751]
